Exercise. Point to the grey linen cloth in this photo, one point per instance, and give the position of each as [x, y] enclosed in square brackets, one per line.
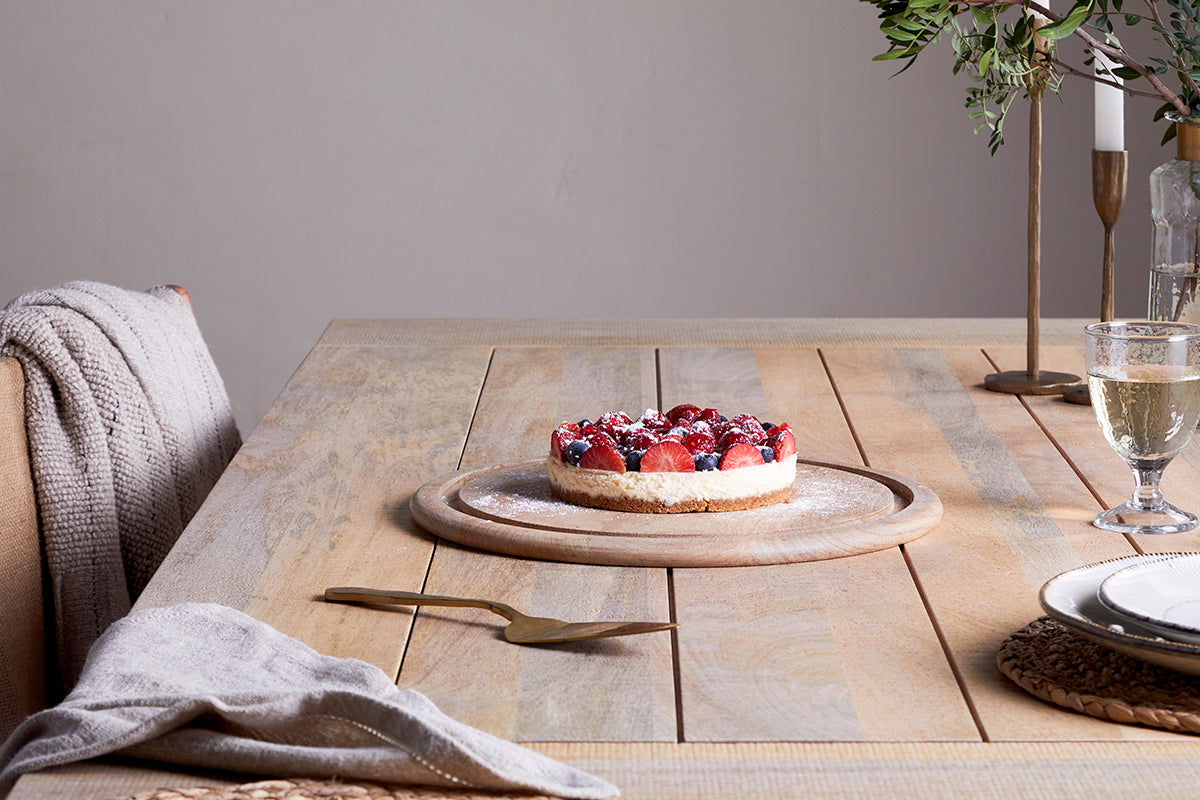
[129, 428]
[204, 685]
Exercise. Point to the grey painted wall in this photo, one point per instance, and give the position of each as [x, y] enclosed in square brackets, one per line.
[290, 162]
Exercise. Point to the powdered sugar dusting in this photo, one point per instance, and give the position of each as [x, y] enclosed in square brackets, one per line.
[821, 497]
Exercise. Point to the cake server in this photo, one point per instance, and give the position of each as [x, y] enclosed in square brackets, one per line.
[521, 628]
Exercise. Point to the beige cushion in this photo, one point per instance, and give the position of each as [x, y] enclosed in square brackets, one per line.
[22, 646]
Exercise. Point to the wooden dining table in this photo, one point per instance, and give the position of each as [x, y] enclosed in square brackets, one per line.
[867, 675]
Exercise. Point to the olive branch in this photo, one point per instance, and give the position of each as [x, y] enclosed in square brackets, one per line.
[1007, 56]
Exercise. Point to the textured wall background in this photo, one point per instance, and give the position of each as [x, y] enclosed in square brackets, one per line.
[290, 162]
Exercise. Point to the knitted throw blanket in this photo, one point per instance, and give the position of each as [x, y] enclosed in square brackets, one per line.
[129, 427]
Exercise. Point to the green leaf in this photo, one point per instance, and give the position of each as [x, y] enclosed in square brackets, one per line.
[1069, 23]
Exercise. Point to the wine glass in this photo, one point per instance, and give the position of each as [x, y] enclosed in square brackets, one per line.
[1144, 379]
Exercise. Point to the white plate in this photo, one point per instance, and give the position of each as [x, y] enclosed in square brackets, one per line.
[1073, 599]
[1162, 593]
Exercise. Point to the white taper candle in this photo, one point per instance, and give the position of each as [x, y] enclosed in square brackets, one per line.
[1110, 108]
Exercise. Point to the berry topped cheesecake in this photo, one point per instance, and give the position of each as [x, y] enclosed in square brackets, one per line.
[688, 459]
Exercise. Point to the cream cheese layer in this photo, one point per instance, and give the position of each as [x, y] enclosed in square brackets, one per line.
[675, 487]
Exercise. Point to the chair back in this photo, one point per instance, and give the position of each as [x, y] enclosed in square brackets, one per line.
[23, 643]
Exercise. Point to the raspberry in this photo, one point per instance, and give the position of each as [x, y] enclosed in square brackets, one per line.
[642, 439]
[613, 422]
[684, 411]
[601, 438]
[751, 426]
[733, 437]
[654, 420]
[722, 428]
[699, 442]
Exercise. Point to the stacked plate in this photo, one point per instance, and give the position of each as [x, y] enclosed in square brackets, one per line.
[1146, 607]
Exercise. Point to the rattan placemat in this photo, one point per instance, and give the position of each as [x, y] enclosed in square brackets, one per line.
[304, 789]
[1050, 662]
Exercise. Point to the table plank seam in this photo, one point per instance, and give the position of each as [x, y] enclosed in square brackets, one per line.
[939, 632]
[862, 453]
[475, 409]
[944, 642]
[676, 665]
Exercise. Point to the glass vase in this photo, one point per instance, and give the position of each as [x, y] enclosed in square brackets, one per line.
[1175, 211]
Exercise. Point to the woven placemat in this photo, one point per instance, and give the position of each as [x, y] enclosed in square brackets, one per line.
[1054, 664]
[303, 789]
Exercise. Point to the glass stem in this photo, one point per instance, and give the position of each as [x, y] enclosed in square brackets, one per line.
[1147, 495]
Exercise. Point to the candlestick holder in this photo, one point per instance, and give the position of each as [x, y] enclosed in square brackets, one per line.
[1033, 380]
[1110, 169]
[1109, 173]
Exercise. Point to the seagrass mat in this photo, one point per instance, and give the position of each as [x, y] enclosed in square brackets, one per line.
[1050, 662]
[304, 789]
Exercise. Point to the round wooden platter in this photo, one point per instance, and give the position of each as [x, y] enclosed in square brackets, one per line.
[836, 511]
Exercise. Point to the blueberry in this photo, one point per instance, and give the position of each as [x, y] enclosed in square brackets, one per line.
[766, 426]
[678, 432]
[705, 461]
[575, 451]
[767, 453]
[633, 460]
[584, 421]
[724, 418]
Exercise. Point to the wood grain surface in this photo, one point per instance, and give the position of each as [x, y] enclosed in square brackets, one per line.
[872, 675]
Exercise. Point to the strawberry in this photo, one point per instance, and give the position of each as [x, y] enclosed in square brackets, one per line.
[601, 456]
[710, 416]
[740, 455]
[683, 411]
[559, 440]
[782, 443]
[699, 442]
[777, 428]
[668, 456]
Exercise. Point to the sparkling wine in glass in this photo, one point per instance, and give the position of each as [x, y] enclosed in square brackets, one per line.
[1144, 379]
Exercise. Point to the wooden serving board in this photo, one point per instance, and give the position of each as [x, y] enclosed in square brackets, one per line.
[835, 511]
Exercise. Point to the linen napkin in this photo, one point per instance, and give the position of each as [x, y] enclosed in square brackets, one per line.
[204, 685]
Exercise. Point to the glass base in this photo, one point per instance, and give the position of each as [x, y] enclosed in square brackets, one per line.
[1129, 518]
